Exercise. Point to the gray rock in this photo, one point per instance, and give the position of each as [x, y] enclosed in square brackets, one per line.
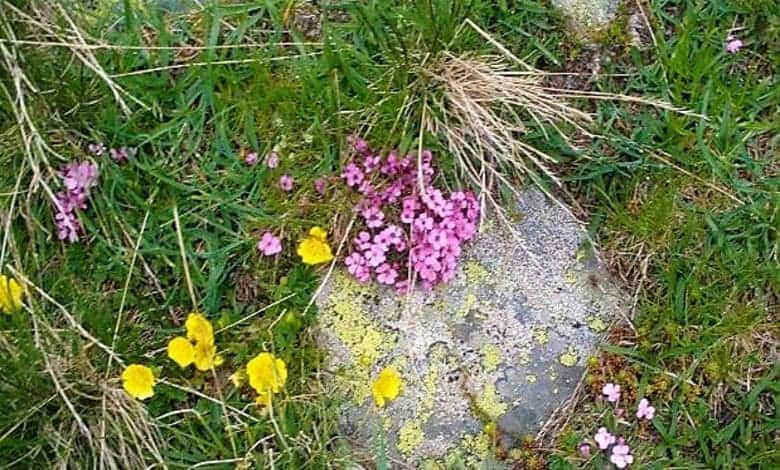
[588, 14]
[484, 359]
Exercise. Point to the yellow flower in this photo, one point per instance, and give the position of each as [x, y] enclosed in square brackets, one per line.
[11, 294]
[387, 386]
[199, 328]
[314, 249]
[206, 357]
[267, 375]
[181, 351]
[198, 347]
[138, 381]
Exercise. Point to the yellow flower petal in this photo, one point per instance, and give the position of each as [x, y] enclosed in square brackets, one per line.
[11, 294]
[138, 381]
[314, 250]
[267, 374]
[199, 329]
[238, 378]
[181, 351]
[264, 399]
[387, 386]
[319, 233]
[205, 356]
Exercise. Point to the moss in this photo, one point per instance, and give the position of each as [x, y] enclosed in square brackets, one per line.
[489, 403]
[491, 357]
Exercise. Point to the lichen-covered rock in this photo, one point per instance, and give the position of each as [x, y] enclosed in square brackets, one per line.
[588, 14]
[486, 358]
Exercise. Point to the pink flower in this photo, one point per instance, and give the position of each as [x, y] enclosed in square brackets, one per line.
[269, 244]
[621, 455]
[612, 392]
[603, 438]
[352, 175]
[251, 158]
[68, 226]
[319, 185]
[272, 160]
[80, 176]
[584, 449]
[645, 410]
[286, 182]
[358, 144]
[402, 287]
[386, 274]
[733, 45]
[374, 217]
[375, 255]
[122, 154]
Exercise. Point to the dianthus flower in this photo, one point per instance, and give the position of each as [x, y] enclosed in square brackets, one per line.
[621, 455]
[78, 180]
[269, 244]
[286, 182]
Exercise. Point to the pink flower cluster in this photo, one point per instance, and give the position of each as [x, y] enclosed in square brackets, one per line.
[620, 452]
[411, 229]
[78, 179]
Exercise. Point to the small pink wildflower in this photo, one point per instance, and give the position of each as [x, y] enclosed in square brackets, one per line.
[603, 438]
[374, 217]
[319, 186]
[584, 449]
[645, 410]
[269, 244]
[386, 274]
[352, 174]
[272, 160]
[621, 455]
[286, 182]
[251, 159]
[733, 45]
[612, 392]
[78, 180]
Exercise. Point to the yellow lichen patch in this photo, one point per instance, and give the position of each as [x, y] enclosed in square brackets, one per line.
[473, 451]
[475, 273]
[491, 357]
[489, 403]
[524, 358]
[541, 337]
[569, 358]
[530, 378]
[344, 316]
[571, 276]
[410, 436]
[596, 324]
[468, 304]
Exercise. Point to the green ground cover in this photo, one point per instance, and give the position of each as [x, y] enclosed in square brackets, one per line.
[685, 208]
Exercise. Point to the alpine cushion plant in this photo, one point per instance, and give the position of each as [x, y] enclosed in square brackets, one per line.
[410, 229]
